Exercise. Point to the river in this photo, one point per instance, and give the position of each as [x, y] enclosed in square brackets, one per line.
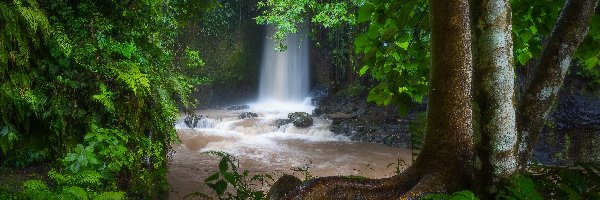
[262, 147]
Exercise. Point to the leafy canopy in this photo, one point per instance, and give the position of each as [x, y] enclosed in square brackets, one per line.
[394, 46]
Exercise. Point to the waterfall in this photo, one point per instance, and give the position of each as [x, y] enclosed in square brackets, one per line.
[284, 75]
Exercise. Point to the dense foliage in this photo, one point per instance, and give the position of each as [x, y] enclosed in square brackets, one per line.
[227, 39]
[95, 85]
[394, 50]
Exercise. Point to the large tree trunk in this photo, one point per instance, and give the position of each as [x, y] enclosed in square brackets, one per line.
[571, 28]
[494, 94]
[446, 161]
[448, 149]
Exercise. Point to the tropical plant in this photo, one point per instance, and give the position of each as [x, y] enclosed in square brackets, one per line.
[95, 85]
[229, 174]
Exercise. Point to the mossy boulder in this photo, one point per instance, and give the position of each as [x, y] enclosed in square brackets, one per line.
[281, 122]
[301, 119]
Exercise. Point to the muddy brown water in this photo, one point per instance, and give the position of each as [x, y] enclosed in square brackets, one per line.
[263, 148]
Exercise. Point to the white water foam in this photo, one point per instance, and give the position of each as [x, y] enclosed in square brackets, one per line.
[259, 138]
[284, 87]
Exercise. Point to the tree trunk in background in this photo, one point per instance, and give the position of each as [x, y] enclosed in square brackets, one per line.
[446, 156]
[570, 29]
[494, 95]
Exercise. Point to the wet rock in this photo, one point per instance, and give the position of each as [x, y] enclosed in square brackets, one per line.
[281, 122]
[282, 186]
[337, 118]
[353, 116]
[317, 112]
[301, 119]
[578, 112]
[248, 115]
[572, 132]
[576, 124]
[192, 120]
[320, 93]
[238, 107]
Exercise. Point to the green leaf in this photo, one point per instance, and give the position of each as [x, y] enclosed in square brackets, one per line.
[533, 29]
[105, 98]
[523, 58]
[223, 165]
[110, 196]
[574, 180]
[403, 45]
[219, 187]
[363, 70]
[212, 177]
[230, 177]
[75, 192]
[523, 188]
[365, 12]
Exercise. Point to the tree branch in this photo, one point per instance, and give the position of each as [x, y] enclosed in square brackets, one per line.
[571, 28]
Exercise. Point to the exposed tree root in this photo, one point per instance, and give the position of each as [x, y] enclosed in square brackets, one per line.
[413, 183]
[353, 188]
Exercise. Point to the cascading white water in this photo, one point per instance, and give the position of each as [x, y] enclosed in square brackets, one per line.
[284, 75]
[262, 144]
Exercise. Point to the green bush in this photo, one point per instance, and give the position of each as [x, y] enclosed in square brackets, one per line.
[230, 175]
[95, 85]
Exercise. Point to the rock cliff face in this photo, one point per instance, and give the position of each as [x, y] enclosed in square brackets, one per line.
[572, 133]
[360, 120]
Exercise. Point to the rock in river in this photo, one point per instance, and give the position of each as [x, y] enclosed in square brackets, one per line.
[192, 120]
[238, 107]
[301, 119]
[248, 115]
[281, 122]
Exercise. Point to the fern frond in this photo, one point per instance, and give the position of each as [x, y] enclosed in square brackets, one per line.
[24, 28]
[110, 196]
[105, 98]
[88, 178]
[74, 192]
[135, 80]
[36, 189]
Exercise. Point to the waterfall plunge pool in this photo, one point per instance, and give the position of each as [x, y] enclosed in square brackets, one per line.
[262, 147]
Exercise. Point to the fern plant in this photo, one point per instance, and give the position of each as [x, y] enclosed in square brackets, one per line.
[38, 190]
[101, 100]
[417, 134]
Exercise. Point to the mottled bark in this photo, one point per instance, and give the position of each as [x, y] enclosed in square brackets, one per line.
[448, 144]
[445, 162]
[494, 95]
[571, 28]
[351, 188]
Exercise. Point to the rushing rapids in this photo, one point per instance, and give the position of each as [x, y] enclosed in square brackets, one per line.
[263, 146]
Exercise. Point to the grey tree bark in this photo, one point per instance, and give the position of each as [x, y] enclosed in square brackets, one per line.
[535, 106]
[494, 76]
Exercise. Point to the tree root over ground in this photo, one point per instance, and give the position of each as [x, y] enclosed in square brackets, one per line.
[411, 184]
